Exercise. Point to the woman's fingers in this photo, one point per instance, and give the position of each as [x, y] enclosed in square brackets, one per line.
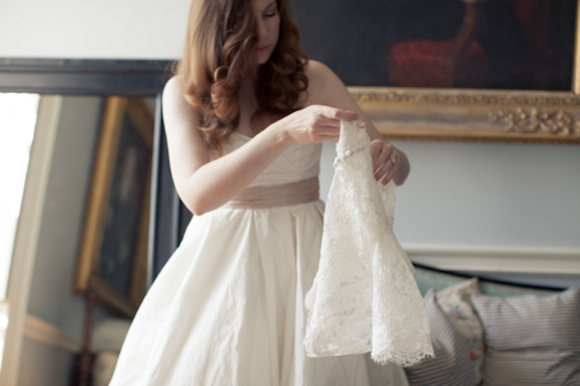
[345, 115]
[385, 159]
[326, 129]
[323, 121]
[338, 114]
[376, 147]
[317, 123]
[328, 133]
[392, 170]
[380, 152]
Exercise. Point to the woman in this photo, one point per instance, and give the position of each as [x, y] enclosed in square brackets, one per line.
[245, 117]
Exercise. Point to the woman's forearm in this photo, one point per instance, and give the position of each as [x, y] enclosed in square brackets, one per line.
[214, 183]
[218, 181]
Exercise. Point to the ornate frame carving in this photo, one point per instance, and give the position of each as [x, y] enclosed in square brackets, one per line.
[477, 115]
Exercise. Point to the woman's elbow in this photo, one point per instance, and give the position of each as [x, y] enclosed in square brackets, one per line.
[200, 200]
[199, 204]
[197, 207]
[197, 211]
[194, 202]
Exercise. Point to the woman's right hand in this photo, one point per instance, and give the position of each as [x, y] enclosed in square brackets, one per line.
[315, 124]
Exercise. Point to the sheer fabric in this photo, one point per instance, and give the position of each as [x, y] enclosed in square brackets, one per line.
[364, 297]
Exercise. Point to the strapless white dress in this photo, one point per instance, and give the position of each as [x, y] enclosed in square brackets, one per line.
[228, 307]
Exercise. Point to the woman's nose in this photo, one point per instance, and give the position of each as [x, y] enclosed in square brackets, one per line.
[261, 29]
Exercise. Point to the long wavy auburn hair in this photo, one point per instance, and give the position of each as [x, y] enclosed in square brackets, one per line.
[219, 52]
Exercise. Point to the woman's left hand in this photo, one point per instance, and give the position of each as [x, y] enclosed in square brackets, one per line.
[385, 158]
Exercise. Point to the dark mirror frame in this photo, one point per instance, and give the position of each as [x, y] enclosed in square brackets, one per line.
[144, 78]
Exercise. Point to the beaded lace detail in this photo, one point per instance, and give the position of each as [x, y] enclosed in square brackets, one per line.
[364, 297]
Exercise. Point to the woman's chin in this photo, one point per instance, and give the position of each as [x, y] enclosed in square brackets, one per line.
[261, 59]
[263, 56]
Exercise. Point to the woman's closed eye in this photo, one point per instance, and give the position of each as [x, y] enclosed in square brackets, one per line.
[271, 10]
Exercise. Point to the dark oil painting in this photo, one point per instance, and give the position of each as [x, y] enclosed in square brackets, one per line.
[487, 44]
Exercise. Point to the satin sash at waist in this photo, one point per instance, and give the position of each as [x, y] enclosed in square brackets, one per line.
[294, 193]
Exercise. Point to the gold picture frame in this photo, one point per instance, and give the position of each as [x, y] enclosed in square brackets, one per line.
[551, 117]
[473, 115]
[113, 245]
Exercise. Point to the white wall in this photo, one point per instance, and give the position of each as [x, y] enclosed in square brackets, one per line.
[486, 195]
[491, 195]
[107, 29]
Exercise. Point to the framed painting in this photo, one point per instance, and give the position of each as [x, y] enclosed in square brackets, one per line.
[113, 247]
[481, 70]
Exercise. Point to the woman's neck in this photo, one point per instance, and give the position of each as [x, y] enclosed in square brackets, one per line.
[248, 95]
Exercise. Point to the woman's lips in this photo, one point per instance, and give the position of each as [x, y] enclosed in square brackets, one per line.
[264, 48]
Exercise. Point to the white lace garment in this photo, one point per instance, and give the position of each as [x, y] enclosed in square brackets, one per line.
[364, 297]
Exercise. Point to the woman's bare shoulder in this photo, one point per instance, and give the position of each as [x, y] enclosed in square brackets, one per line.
[174, 87]
[317, 71]
[321, 81]
[175, 107]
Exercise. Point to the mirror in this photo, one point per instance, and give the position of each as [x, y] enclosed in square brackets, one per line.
[86, 197]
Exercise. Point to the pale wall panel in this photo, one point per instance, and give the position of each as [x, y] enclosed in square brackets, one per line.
[106, 29]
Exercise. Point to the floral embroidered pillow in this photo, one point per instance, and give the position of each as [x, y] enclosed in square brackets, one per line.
[455, 302]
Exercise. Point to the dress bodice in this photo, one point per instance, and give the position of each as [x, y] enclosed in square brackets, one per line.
[298, 162]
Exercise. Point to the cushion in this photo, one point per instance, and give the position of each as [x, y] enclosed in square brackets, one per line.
[427, 279]
[103, 368]
[439, 280]
[451, 365]
[109, 334]
[531, 339]
[455, 302]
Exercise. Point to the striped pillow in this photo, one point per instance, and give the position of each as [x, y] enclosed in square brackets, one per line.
[455, 303]
[451, 365]
[531, 339]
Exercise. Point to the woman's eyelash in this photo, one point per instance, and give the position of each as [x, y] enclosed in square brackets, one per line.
[270, 14]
